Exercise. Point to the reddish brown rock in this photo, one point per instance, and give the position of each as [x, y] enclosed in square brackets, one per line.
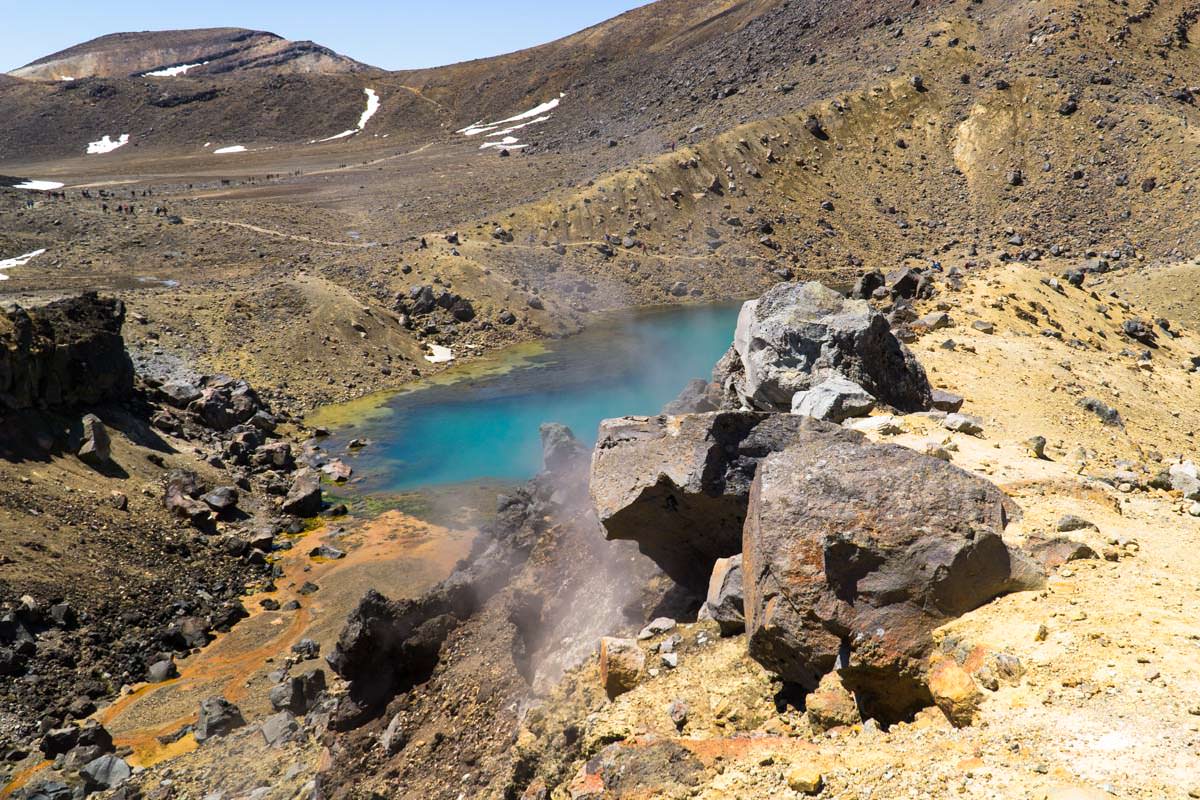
[854, 552]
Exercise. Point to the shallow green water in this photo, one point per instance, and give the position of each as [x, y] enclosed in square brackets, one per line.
[486, 428]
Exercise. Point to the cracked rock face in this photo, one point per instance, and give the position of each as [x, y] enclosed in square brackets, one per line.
[854, 552]
[63, 354]
[679, 486]
[798, 335]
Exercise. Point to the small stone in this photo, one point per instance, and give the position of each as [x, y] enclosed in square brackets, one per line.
[621, 664]
[1070, 522]
[805, 778]
[1035, 447]
[677, 710]
[831, 704]
[946, 401]
[963, 423]
[657, 626]
[954, 692]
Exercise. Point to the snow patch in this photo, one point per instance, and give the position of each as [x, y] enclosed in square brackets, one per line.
[341, 135]
[537, 111]
[237, 148]
[372, 107]
[533, 116]
[107, 145]
[18, 261]
[171, 72]
[39, 186]
[509, 142]
[439, 354]
[373, 103]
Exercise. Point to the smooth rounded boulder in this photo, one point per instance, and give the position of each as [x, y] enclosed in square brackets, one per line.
[854, 552]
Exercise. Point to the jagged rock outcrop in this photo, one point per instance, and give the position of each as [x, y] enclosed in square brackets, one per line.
[854, 552]
[63, 354]
[798, 335]
[679, 486]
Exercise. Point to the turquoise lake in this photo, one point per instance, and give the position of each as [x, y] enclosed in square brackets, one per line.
[485, 428]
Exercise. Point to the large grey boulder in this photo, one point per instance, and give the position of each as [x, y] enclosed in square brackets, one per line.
[304, 497]
[105, 772]
[854, 552]
[679, 486]
[835, 399]
[798, 335]
[1185, 478]
[218, 717]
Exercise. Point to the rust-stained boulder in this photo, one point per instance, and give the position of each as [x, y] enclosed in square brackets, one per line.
[854, 552]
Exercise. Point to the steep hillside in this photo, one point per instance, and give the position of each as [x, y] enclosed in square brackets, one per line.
[205, 51]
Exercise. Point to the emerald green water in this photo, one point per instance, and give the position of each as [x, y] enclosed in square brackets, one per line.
[485, 428]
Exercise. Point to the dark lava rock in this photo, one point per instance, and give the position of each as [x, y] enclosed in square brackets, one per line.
[854, 552]
[679, 486]
[66, 353]
[799, 334]
[304, 497]
[218, 717]
[299, 693]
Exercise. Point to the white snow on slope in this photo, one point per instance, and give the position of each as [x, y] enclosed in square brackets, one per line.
[237, 148]
[492, 130]
[508, 142]
[341, 135]
[372, 106]
[440, 355]
[17, 261]
[39, 186]
[107, 145]
[171, 72]
[537, 111]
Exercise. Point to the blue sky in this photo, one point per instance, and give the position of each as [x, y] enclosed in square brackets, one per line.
[392, 35]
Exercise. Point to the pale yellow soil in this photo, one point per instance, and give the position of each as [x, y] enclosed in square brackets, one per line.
[1104, 702]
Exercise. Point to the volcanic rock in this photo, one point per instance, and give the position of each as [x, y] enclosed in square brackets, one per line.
[831, 704]
[621, 664]
[678, 486]
[797, 335]
[855, 551]
[105, 772]
[65, 354]
[96, 449]
[725, 603]
[218, 717]
[835, 400]
[304, 497]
